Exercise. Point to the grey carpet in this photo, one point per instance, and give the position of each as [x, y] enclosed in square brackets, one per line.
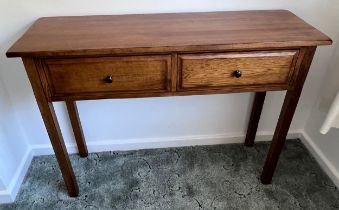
[201, 177]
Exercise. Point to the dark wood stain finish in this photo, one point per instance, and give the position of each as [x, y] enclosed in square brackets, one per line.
[149, 33]
[286, 116]
[217, 70]
[258, 104]
[52, 126]
[77, 129]
[151, 55]
[129, 74]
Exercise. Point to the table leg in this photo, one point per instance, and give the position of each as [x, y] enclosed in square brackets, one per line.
[286, 115]
[52, 125]
[76, 125]
[254, 118]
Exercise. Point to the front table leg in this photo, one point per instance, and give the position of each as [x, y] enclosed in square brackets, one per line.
[52, 126]
[286, 115]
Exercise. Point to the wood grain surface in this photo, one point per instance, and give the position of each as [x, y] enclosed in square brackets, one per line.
[217, 70]
[253, 123]
[73, 114]
[286, 115]
[52, 126]
[177, 32]
[87, 75]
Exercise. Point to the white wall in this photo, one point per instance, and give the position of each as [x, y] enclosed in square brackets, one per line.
[327, 145]
[13, 145]
[2, 186]
[139, 120]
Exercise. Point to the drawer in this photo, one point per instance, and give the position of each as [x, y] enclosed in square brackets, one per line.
[108, 74]
[222, 70]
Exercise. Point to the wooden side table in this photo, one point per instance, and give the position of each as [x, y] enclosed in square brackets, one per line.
[128, 56]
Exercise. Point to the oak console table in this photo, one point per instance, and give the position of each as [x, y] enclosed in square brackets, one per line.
[148, 55]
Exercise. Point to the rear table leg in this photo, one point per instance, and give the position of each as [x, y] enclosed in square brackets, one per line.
[76, 125]
[254, 118]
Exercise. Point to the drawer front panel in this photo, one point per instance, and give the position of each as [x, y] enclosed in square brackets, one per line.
[236, 69]
[108, 74]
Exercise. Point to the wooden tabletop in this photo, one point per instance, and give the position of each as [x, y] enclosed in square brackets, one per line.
[176, 32]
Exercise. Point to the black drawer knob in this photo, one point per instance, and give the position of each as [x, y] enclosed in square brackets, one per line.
[237, 73]
[109, 79]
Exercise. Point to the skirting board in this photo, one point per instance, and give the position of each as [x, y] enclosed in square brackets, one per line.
[9, 195]
[162, 142]
[320, 157]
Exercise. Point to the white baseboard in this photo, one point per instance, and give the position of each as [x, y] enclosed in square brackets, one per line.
[163, 142]
[8, 195]
[5, 197]
[320, 157]
[132, 144]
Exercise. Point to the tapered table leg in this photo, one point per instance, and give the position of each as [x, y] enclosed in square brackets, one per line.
[76, 125]
[286, 115]
[52, 125]
[254, 118]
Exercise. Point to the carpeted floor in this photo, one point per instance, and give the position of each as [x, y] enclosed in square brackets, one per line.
[201, 177]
